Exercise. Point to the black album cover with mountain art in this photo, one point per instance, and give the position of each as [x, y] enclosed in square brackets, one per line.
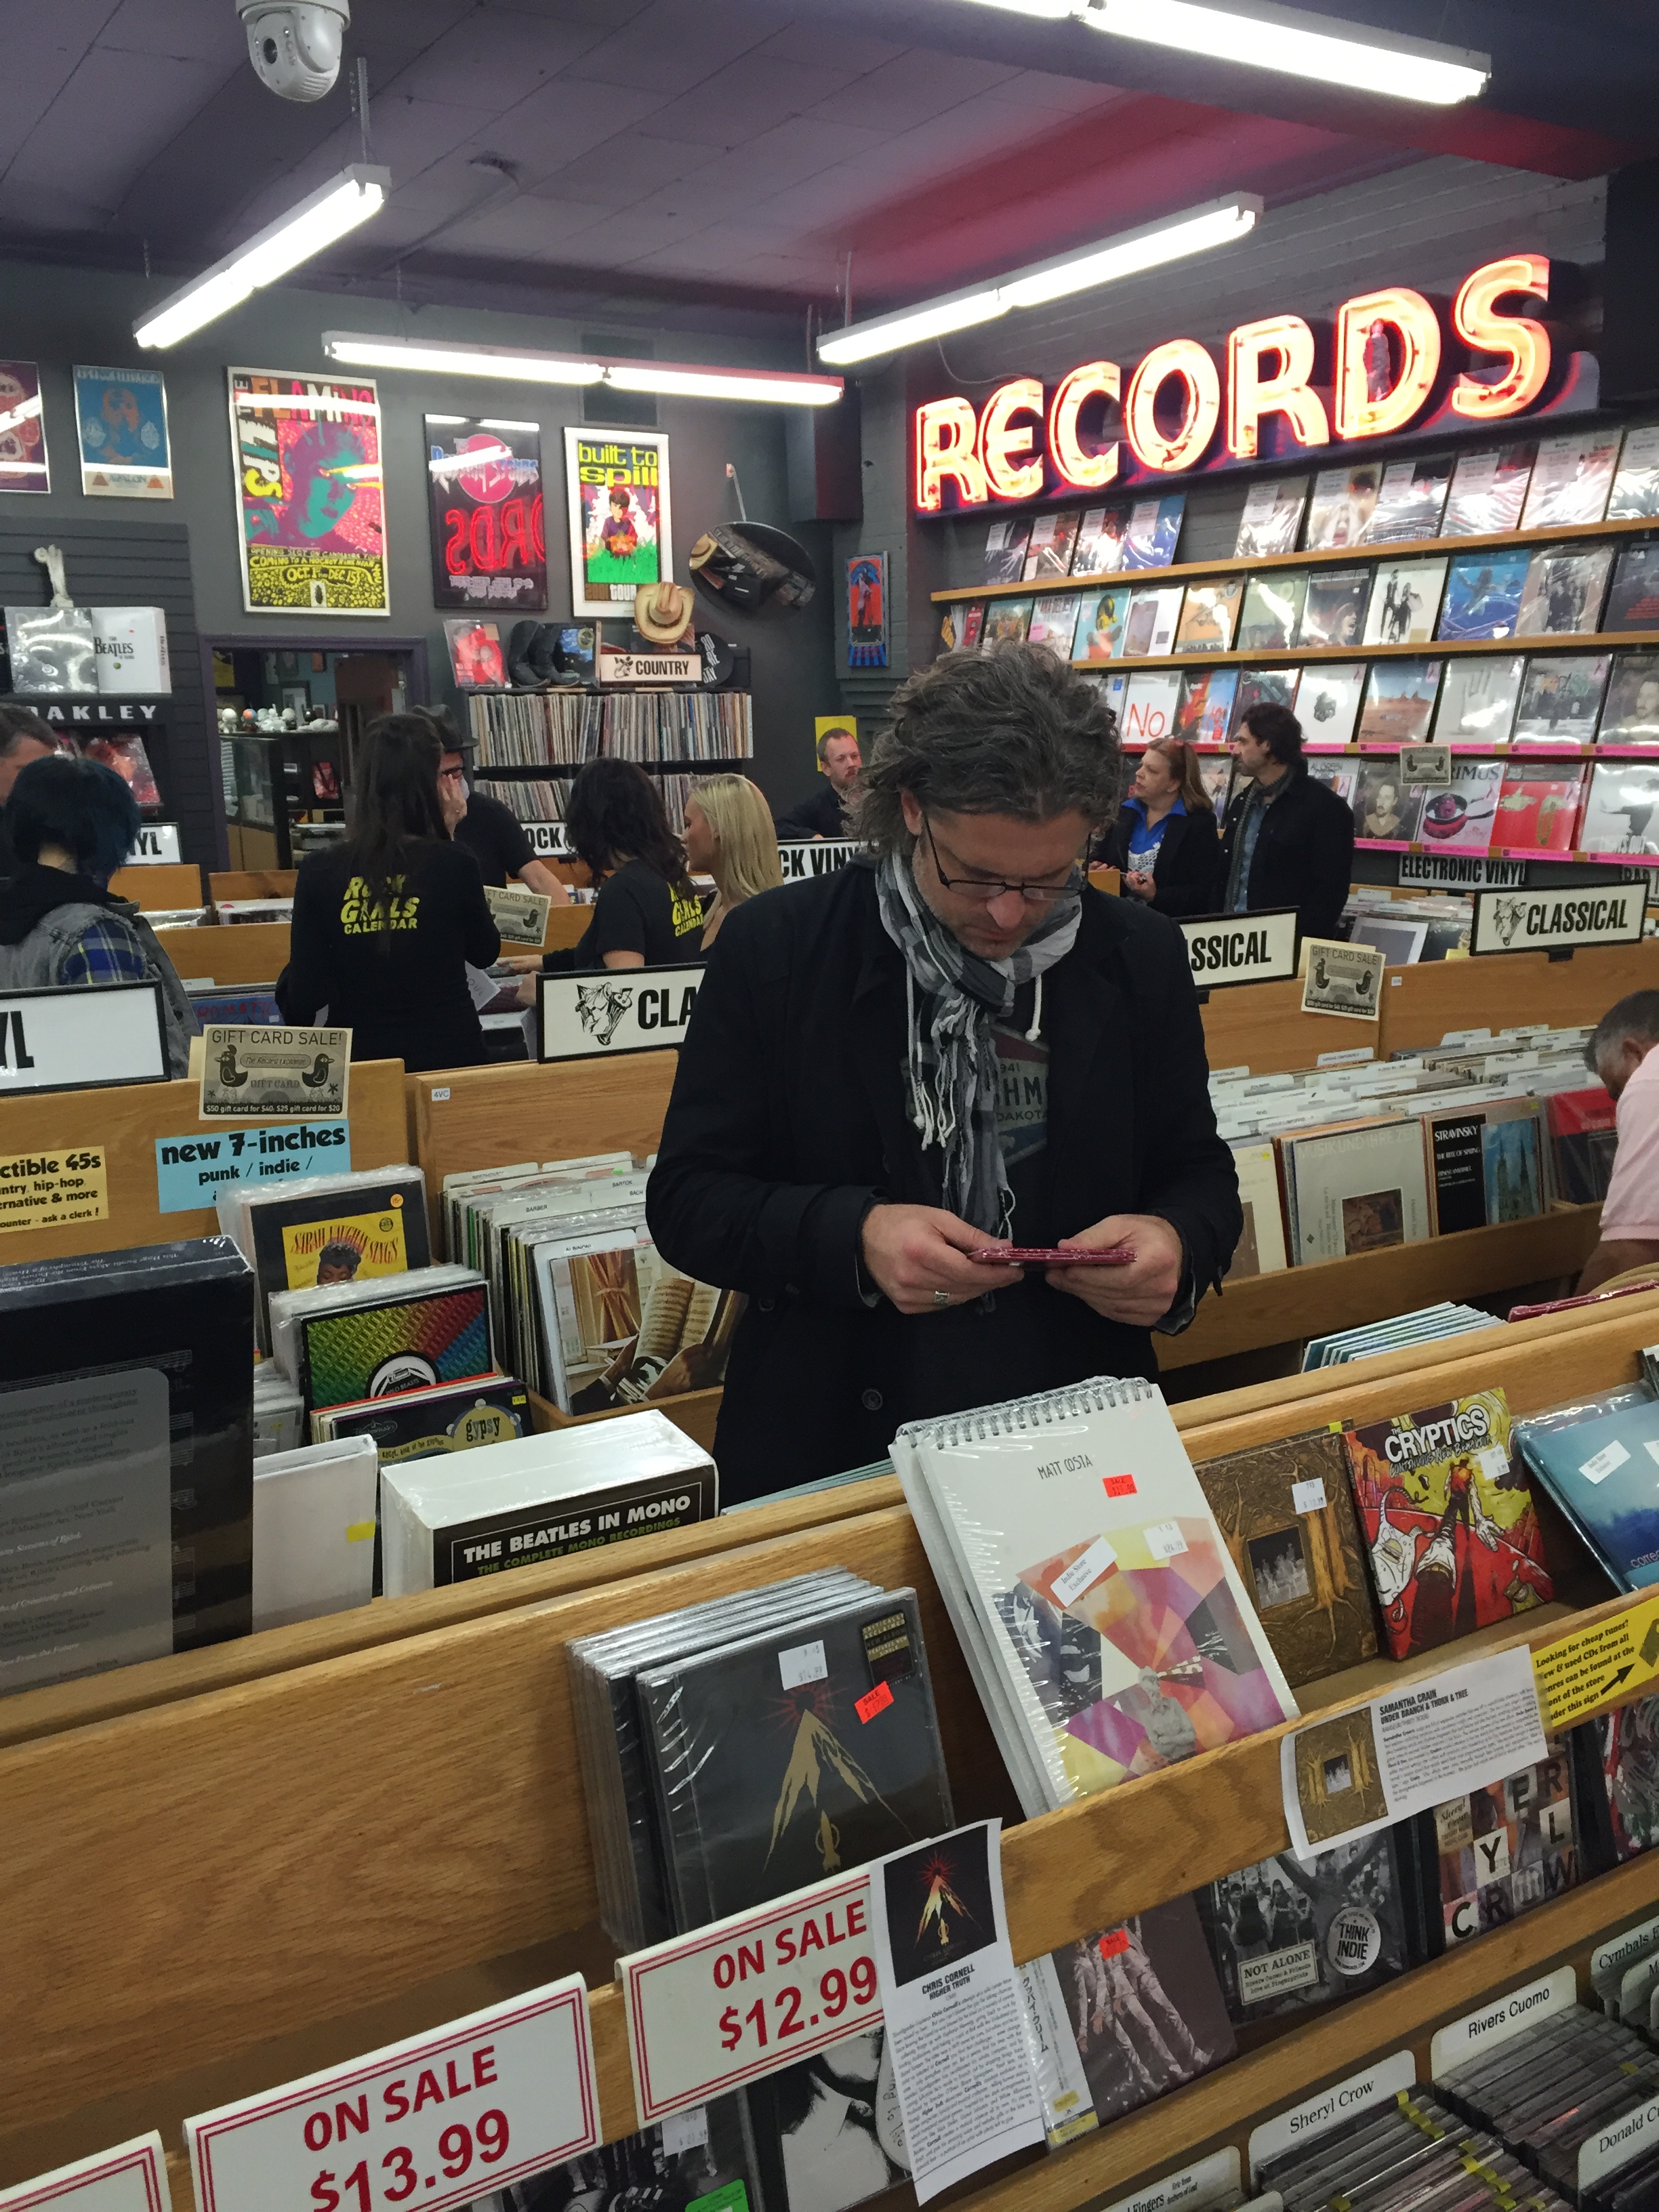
[779, 1760]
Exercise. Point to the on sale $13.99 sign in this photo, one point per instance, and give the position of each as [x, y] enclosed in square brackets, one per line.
[416, 2127]
[745, 1995]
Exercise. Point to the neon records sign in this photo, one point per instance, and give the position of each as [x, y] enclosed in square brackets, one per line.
[1391, 360]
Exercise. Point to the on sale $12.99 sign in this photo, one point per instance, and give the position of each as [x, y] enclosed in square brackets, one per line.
[745, 1995]
[416, 2127]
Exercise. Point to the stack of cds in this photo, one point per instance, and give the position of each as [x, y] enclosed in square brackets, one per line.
[1410, 2150]
[1426, 1325]
[742, 1749]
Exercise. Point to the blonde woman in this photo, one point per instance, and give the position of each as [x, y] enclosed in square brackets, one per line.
[729, 836]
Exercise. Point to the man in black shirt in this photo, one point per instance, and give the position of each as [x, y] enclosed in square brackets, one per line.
[494, 836]
[1288, 839]
[822, 816]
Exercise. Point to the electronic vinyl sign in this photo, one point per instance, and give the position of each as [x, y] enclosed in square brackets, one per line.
[1388, 362]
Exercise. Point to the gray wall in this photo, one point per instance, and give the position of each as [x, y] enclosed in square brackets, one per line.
[60, 316]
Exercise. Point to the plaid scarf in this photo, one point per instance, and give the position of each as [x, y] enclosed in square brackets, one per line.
[953, 1074]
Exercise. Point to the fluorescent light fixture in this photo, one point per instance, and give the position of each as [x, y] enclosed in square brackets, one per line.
[453, 421]
[1052, 11]
[1219, 223]
[1262, 36]
[327, 215]
[488, 422]
[681, 380]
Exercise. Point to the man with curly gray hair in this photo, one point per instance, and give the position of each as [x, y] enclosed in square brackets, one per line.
[950, 1046]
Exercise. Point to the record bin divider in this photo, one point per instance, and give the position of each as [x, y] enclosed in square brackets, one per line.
[231, 955]
[482, 1117]
[159, 887]
[210, 1896]
[1535, 1367]
[1500, 990]
[128, 1119]
[251, 884]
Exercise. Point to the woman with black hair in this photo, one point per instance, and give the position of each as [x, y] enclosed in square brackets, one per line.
[645, 914]
[386, 926]
[72, 823]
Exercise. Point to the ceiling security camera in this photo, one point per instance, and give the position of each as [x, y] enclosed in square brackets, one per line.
[296, 45]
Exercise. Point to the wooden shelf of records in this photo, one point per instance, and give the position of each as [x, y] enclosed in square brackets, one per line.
[445, 1760]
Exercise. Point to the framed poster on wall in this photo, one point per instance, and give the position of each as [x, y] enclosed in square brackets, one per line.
[121, 421]
[866, 610]
[311, 503]
[23, 463]
[621, 537]
[484, 496]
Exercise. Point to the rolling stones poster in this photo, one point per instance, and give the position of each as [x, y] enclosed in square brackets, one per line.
[616, 483]
[23, 466]
[485, 487]
[312, 503]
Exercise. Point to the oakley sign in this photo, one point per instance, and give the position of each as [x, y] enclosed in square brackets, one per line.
[1393, 361]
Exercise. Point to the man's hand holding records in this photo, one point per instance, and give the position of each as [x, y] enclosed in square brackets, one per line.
[918, 1256]
[1143, 1291]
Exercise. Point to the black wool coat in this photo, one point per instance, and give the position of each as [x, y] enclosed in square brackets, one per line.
[1184, 871]
[788, 1122]
[1303, 854]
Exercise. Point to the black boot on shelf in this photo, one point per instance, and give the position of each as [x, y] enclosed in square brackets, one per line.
[521, 669]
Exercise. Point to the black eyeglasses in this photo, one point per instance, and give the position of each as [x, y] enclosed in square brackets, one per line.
[978, 888]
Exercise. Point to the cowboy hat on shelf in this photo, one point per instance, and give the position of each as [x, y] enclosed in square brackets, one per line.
[662, 612]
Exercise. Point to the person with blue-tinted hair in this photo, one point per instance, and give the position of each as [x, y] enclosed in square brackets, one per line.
[72, 823]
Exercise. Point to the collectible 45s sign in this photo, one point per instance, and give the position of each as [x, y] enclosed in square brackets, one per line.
[1542, 921]
[416, 2127]
[615, 1010]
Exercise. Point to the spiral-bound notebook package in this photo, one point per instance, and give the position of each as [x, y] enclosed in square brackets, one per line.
[1105, 1626]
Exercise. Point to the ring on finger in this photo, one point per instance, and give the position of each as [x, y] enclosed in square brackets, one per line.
[941, 1297]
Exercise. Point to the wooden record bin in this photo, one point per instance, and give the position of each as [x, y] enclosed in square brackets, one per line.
[219, 1890]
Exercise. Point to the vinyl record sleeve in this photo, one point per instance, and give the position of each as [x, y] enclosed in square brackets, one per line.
[1054, 622]
[1385, 809]
[1595, 1462]
[1149, 705]
[1564, 592]
[1099, 548]
[1358, 1189]
[1561, 697]
[1272, 518]
[1328, 699]
[398, 1332]
[1099, 633]
[1633, 602]
[1204, 707]
[1154, 531]
[1143, 2007]
[1048, 548]
[170, 1400]
[1493, 1855]
[1260, 1249]
[1619, 807]
[327, 1228]
[1344, 501]
[1005, 549]
[1410, 500]
[1538, 812]
[1461, 818]
[1488, 489]
[1631, 715]
[1478, 695]
[1273, 611]
[1404, 601]
[1286, 1514]
[1208, 614]
[828, 2134]
[1624, 1755]
[767, 1774]
[1007, 619]
[1571, 478]
[1111, 1632]
[1483, 593]
[1154, 610]
[1399, 702]
[1333, 609]
[1287, 1938]
[485, 1409]
[1260, 687]
[1635, 487]
[704, 2164]
[1449, 1521]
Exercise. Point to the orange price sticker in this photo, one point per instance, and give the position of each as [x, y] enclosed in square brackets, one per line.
[1118, 1485]
[873, 1701]
[1109, 1946]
